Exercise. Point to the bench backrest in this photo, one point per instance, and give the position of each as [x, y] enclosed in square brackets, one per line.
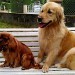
[29, 36]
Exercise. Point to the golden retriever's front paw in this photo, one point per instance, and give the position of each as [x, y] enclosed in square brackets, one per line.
[45, 68]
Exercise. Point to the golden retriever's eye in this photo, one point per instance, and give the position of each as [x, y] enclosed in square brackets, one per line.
[49, 11]
[41, 10]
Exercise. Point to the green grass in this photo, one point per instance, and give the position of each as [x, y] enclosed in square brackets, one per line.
[8, 25]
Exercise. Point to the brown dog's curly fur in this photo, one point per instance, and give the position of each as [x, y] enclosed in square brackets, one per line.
[16, 53]
[56, 41]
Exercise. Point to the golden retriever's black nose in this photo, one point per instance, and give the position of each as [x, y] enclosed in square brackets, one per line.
[39, 19]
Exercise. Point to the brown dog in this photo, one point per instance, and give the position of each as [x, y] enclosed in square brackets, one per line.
[16, 53]
[56, 41]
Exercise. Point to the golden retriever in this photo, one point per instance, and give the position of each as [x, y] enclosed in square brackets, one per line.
[56, 41]
[16, 53]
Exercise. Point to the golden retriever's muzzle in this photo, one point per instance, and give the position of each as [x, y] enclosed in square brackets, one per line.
[41, 24]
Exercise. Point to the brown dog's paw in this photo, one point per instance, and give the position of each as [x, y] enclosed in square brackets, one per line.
[37, 66]
[16, 65]
[2, 65]
[25, 68]
[22, 68]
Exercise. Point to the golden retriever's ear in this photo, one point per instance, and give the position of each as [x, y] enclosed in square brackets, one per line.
[60, 14]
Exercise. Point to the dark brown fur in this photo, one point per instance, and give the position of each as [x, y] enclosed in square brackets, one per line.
[16, 53]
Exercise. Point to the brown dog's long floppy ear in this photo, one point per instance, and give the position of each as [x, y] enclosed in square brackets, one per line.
[60, 14]
[12, 42]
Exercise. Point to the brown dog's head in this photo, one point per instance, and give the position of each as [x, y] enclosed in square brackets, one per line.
[6, 41]
[51, 12]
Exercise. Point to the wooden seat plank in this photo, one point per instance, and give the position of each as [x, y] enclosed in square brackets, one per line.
[29, 36]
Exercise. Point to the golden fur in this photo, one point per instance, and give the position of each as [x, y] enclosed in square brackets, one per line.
[54, 38]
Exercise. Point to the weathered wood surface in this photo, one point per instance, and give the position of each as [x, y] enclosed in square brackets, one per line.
[30, 37]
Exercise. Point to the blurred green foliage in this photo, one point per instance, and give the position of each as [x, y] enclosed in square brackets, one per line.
[69, 7]
[8, 25]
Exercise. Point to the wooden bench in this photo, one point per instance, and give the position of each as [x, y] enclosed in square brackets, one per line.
[30, 37]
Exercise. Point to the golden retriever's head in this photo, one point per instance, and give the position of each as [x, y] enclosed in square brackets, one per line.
[50, 13]
[6, 41]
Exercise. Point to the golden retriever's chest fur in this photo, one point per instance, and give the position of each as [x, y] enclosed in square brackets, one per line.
[55, 40]
[67, 43]
[50, 39]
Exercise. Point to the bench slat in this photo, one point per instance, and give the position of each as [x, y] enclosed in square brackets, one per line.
[26, 29]
[34, 49]
[1, 55]
[72, 28]
[32, 44]
[2, 60]
[19, 29]
[24, 33]
[27, 38]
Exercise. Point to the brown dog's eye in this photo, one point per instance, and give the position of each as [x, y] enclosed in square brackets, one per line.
[49, 11]
[5, 39]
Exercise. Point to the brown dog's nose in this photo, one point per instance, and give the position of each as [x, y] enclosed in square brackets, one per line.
[39, 19]
[1, 40]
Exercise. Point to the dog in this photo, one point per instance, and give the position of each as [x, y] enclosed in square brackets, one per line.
[56, 42]
[16, 53]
